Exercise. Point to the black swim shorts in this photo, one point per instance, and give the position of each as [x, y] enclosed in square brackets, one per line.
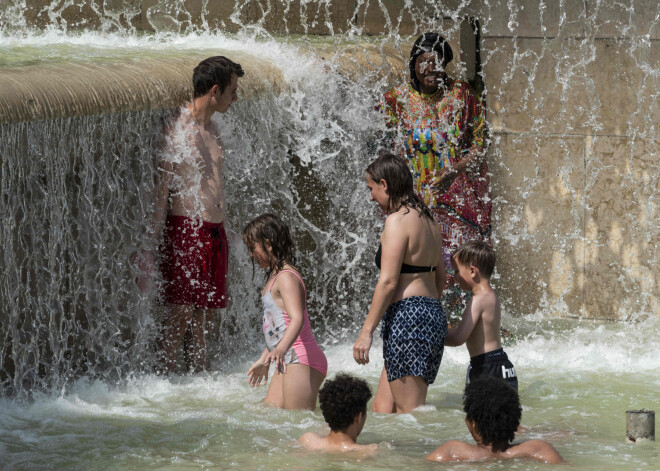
[495, 363]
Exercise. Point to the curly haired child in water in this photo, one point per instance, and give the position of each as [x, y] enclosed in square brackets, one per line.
[492, 415]
[343, 402]
[300, 364]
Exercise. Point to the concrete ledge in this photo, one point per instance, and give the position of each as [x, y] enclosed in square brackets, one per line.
[38, 92]
[32, 93]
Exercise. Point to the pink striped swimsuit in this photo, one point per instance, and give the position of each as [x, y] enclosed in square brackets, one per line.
[305, 350]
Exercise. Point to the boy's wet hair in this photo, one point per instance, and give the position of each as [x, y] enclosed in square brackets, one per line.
[342, 399]
[269, 227]
[216, 70]
[400, 187]
[476, 253]
[493, 406]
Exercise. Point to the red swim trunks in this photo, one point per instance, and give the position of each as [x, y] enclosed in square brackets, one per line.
[195, 263]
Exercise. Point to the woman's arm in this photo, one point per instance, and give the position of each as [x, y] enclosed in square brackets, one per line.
[394, 244]
[290, 289]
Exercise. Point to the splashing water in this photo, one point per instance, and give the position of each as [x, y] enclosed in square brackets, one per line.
[76, 335]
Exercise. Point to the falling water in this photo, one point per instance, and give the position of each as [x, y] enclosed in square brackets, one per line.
[576, 234]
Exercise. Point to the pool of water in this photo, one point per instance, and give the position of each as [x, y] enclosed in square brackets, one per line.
[577, 379]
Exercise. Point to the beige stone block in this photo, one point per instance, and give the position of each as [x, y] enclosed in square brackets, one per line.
[389, 17]
[530, 18]
[177, 17]
[406, 17]
[82, 89]
[300, 17]
[31, 12]
[218, 16]
[537, 184]
[624, 19]
[566, 86]
[626, 83]
[73, 15]
[523, 93]
[622, 260]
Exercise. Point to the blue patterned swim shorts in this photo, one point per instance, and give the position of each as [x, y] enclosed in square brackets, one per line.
[414, 331]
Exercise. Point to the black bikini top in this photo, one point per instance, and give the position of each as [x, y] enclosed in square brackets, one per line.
[405, 268]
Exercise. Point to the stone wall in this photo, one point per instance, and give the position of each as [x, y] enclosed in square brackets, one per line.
[573, 104]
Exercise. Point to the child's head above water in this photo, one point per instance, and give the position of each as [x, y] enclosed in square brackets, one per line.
[269, 242]
[492, 411]
[478, 254]
[342, 399]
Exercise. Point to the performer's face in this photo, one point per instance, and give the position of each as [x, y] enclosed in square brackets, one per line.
[429, 72]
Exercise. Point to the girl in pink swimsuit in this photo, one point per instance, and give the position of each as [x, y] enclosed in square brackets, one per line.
[300, 364]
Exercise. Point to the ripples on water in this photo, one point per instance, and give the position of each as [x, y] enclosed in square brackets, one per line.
[576, 385]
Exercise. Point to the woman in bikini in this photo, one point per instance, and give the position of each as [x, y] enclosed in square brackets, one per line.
[300, 364]
[412, 277]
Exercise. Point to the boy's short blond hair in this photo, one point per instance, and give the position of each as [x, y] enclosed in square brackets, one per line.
[476, 253]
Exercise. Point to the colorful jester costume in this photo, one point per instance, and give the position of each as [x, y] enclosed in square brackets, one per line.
[435, 131]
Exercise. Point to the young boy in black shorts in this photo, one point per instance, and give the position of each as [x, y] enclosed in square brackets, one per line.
[492, 415]
[479, 329]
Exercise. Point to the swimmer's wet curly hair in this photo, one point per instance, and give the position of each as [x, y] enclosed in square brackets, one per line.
[494, 408]
[269, 227]
[342, 399]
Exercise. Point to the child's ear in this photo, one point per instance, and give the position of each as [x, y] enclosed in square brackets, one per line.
[358, 417]
[474, 271]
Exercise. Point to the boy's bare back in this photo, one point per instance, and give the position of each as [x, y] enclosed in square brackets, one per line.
[483, 310]
[455, 450]
[315, 442]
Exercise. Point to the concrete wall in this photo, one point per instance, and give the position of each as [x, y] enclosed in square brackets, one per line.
[572, 99]
[573, 103]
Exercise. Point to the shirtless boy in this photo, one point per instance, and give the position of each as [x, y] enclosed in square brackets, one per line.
[492, 415]
[343, 402]
[190, 210]
[479, 329]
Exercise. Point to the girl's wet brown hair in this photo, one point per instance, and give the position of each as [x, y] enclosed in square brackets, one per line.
[400, 188]
[269, 227]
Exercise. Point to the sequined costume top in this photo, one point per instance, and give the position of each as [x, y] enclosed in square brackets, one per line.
[437, 130]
